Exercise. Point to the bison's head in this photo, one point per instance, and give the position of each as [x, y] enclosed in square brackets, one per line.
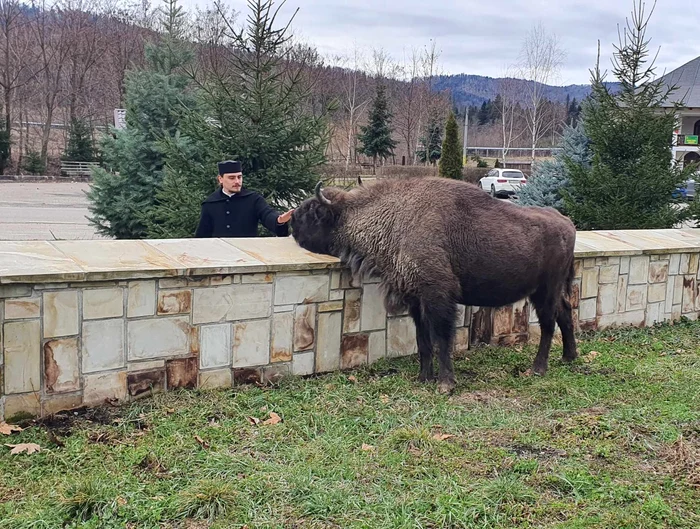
[315, 221]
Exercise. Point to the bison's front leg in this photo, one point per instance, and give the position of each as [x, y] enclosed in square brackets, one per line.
[425, 345]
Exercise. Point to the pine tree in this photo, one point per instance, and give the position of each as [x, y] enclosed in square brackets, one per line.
[375, 137]
[551, 177]
[433, 141]
[484, 115]
[255, 112]
[451, 159]
[633, 176]
[123, 193]
[80, 146]
[4, 148]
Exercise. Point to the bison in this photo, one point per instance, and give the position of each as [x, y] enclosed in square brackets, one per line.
[435, 243]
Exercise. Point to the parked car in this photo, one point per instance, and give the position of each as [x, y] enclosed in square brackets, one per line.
[687, 191]
[503, 182]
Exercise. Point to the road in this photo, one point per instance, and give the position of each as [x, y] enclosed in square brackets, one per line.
[50, 211]
[44, 211]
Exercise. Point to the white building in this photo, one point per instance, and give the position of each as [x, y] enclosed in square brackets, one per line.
[686, 79]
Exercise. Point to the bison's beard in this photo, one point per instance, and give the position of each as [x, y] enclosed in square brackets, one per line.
[363, 268]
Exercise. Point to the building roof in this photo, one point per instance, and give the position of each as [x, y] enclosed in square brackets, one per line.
[686, 80]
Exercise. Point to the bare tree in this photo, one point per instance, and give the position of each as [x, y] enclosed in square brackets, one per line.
[540, 60]
[17, 63]
[509, 110]
[427, 107]
[87, 41]
[408, 104]
[51, 36]
[354, 96]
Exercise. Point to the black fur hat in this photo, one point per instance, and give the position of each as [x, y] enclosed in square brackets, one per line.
[230, 166]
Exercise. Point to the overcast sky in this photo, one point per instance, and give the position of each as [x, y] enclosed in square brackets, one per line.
[483, 36]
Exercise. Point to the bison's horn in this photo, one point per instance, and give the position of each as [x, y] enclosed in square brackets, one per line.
[320, 197]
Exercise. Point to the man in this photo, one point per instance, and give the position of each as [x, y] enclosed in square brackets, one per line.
[233, 211]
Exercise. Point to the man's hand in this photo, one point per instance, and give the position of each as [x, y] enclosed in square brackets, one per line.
[284, 217]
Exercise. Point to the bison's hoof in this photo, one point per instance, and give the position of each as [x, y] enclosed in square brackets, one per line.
[445, 387]
[423, 377]
[539, 370]
[569, 358]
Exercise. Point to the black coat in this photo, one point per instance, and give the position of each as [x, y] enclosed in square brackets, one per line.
[238, 216]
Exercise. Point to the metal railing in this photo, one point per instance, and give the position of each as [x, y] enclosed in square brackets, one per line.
[69, 168]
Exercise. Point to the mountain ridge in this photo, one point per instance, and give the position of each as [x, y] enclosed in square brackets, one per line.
[473, 90]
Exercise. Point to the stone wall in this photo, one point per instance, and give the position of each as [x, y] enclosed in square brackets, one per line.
[88, 322]
[72, 344]
[608, 291]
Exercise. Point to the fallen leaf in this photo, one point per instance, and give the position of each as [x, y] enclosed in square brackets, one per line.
[384, 399]
[253, 420]
[353, 379]
[30, 448]
[121, 501]
[7, 429]
[590, 356]
[201, 441]
[442, 436]
[170, 410]
[367, 448]
[527, 373]
[274, 419]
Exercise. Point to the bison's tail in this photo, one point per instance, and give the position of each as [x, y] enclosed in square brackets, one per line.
[569, 285]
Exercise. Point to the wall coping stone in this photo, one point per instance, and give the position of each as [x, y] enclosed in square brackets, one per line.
[33, 262]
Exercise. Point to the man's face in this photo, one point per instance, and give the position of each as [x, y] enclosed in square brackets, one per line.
[231, 182]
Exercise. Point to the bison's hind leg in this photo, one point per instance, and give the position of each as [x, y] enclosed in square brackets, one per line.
[425, 344]
[565, 320]
[438, 314]
[546, 307]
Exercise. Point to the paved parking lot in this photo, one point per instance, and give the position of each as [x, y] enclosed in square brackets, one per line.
[44, 211]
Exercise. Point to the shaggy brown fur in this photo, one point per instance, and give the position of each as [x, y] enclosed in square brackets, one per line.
[436, 242]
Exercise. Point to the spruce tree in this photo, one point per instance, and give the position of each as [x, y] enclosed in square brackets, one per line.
[375, 137]
[551, 177]
[123, 192]
[433, 140]
[451, 160]
[80, 146]
[256, 112]
[633, 176]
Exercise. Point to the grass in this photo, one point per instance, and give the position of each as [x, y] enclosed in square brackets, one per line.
[612, 441]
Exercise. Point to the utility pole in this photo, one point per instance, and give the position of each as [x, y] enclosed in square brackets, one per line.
[466, 127]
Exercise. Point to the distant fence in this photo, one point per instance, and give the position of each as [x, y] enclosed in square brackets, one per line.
[74, 169]
[520, 152]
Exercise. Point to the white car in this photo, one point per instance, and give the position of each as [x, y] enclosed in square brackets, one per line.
[503, 182]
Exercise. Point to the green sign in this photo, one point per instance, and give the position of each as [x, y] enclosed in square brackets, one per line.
[691, 140]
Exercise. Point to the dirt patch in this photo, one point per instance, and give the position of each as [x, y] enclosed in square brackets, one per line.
[152, 465]
[536, 452]
[8, 494]
[489, 397]
[63, 423]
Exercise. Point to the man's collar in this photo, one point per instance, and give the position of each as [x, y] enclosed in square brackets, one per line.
[225, 193]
